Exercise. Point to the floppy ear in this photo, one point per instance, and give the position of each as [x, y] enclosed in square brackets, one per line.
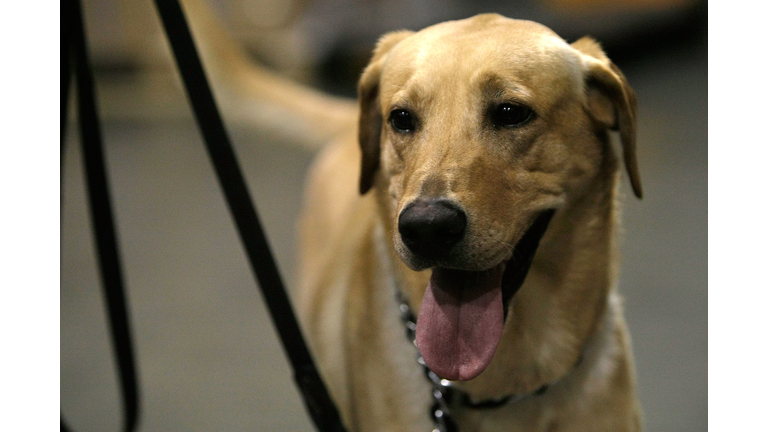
[369, 128]
[611, 102]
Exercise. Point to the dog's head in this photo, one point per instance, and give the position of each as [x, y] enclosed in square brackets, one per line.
[473, 131]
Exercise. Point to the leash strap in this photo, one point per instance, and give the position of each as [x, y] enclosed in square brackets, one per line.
[316, 397]
[73, 42]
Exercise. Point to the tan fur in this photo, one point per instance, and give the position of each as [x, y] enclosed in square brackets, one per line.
[353, 261]
[251, 95]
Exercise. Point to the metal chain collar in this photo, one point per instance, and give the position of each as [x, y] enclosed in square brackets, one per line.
[442, 392]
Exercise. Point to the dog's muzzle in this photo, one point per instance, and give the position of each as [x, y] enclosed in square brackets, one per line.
[430, 227]
[462, 313]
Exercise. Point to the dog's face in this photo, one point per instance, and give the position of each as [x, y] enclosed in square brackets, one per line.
[471, 130]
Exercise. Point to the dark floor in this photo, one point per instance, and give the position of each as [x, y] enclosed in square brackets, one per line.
[208, 358]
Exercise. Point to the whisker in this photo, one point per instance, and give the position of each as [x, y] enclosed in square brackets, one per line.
[509, 247]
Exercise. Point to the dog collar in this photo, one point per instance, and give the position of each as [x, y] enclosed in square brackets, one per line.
[444, 395]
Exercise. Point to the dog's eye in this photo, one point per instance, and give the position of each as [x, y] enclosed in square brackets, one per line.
[511, 115]
[401, 120]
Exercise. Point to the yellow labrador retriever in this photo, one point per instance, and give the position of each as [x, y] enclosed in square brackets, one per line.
[459, 246]
[459, 233]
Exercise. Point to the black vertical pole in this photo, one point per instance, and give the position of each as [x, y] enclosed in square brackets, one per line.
[316, 397]
[66, 18]
[101, 214]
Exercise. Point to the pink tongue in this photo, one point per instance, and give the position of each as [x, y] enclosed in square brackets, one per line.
[460, 321]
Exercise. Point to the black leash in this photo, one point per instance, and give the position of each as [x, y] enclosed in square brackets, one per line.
[74, 43]
[316, 397]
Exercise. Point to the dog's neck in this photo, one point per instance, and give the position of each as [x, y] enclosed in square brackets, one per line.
[557, 309]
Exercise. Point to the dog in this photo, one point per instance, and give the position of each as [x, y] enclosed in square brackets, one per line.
[458, 254]
[460, 238]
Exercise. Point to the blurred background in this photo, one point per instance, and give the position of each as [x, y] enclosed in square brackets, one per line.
[208, 358]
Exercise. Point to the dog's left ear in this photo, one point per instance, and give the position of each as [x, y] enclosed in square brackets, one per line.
[369, 128]
[611, 102]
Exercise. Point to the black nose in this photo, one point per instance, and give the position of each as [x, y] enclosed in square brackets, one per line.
[431, 226]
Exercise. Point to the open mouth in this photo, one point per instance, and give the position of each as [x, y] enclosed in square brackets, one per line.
[462, 313]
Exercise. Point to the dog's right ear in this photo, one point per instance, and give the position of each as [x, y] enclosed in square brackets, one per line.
[371, 119]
